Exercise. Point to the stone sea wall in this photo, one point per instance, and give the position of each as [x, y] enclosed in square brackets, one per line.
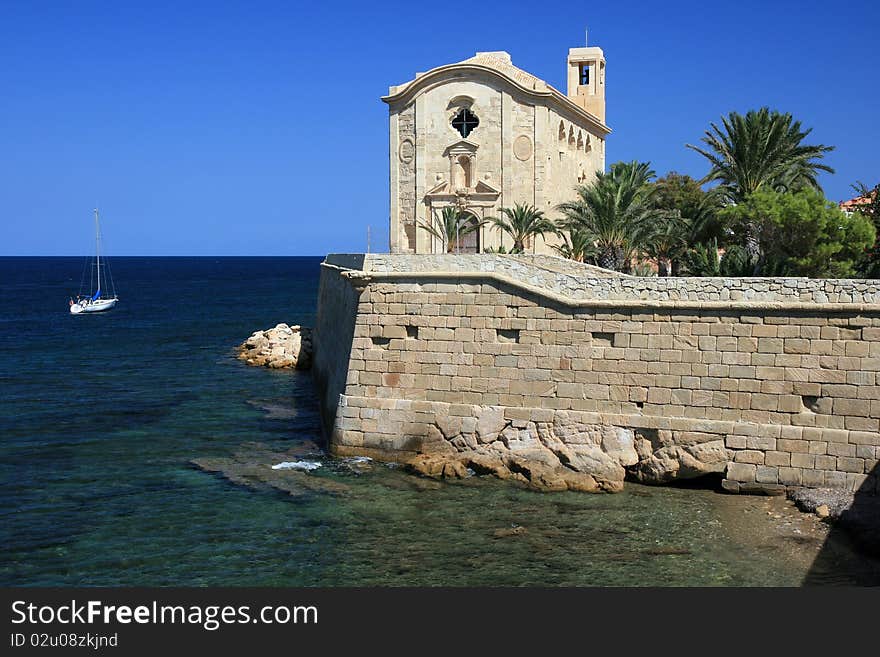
[540, 370]
[333, 335]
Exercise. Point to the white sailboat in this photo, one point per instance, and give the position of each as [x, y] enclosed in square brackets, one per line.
[94, 302]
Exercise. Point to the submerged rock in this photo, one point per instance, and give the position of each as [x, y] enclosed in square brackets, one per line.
[253, 465]
[665, 551]
[514, 530]
[835, 501]
[857, 513]
[282, 347]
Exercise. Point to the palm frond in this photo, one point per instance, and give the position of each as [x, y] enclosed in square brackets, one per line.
[616, 210]
[451, 226]
[761, 148]
[522, 222]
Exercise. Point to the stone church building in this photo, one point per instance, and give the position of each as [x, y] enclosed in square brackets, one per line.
[483, 134]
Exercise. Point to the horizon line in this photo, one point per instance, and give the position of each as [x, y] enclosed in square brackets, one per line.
[160, 255]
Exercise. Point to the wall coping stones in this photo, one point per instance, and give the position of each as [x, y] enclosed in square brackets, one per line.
[552, 278]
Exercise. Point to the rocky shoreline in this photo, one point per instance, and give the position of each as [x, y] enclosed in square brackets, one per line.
[564, 453]
[858, 514]
[281, 347]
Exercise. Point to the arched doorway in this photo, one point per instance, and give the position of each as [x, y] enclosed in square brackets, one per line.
[469, 235]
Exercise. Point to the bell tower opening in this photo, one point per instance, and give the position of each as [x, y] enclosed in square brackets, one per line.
[585, 75]
[586, 79]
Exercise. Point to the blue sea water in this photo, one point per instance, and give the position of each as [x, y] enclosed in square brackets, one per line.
[102, 415]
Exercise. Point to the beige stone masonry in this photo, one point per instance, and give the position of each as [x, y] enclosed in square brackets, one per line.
[775, 379]
[524, 142]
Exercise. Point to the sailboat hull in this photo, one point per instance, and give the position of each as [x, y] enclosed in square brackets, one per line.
[88, 306]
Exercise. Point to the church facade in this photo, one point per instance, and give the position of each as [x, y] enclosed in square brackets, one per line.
[482, 134]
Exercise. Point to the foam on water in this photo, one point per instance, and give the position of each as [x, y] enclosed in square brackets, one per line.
[306, 466]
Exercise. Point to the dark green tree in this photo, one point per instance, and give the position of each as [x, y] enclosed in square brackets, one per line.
[763, 149]
[697, 207]
[667, 241]
[799, 234]
[705, 260]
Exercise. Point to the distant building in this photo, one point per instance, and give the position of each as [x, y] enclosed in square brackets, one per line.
[854, 204]
[483, 134]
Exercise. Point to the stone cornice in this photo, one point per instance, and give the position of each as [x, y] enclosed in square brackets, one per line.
[408, 91]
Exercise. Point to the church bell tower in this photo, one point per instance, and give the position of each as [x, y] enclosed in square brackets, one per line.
[586, 79]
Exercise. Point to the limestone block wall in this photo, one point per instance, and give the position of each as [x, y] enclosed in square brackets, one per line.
[333, 334]
[773, 382]
[572, 155]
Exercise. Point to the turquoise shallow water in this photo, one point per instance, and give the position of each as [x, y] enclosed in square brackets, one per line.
[101, 416]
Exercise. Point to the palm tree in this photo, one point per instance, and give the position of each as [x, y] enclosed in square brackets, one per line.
[642, 269]
[667, 241]
[763, 147]
[522, 222]
[576, 245]
[698, 208]
[704, 260]
[690, 217]
[451, 226]
[616, 210]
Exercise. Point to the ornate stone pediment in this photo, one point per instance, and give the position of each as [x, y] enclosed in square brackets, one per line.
[440, 189]
[482, 187]
[461, 147]
[481, 194]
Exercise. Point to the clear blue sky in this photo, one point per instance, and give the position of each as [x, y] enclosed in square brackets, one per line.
[256, 128]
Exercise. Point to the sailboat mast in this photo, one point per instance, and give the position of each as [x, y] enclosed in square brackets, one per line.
[98, 249]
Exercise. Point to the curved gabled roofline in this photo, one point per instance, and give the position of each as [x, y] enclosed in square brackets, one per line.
[430, 79]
